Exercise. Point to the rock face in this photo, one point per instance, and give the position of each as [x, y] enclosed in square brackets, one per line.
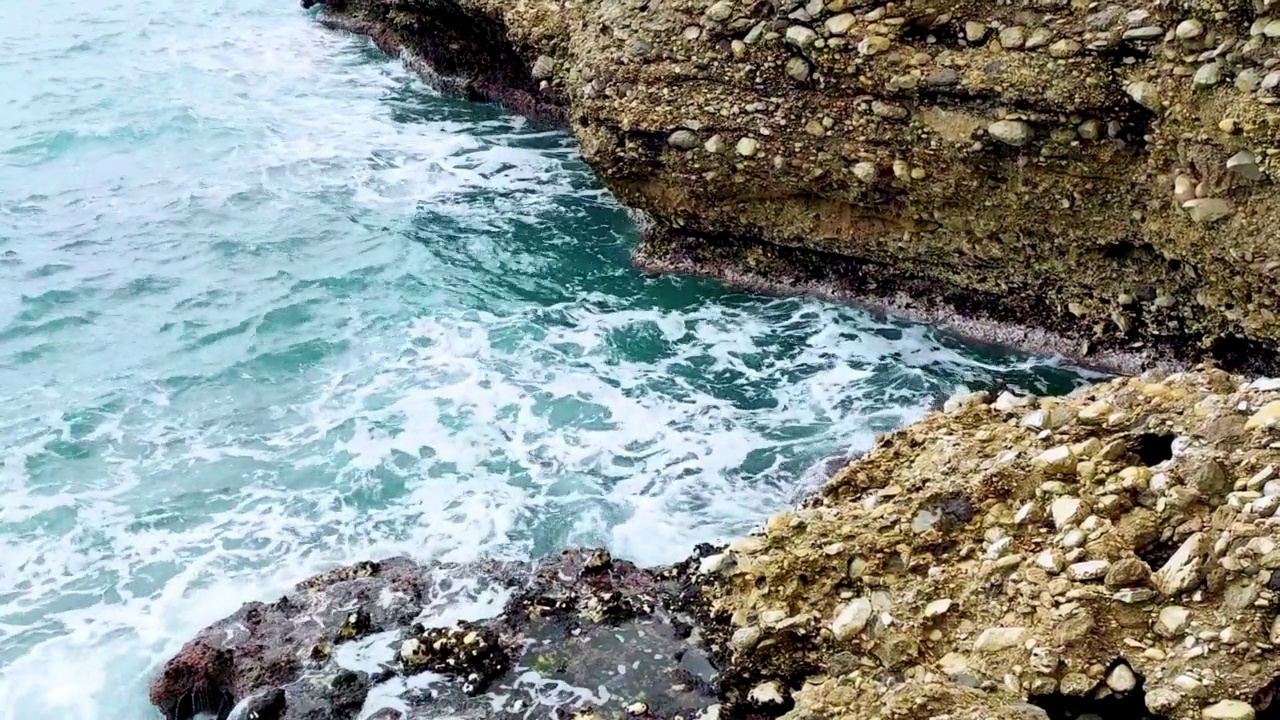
[947, 573]
[1093, 178]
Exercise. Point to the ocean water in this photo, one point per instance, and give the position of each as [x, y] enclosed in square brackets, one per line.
[268, 304]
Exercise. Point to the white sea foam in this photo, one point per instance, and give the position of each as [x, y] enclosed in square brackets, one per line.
[319, 318]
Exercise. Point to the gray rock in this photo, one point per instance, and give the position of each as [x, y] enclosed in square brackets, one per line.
[1248, 80]
[943, 77]
[1207, 75]
[747, 146]
[840, 24]
[1189, 29]
[683, 140]
[543, 67]
[1207, 210]
[797, 69]
[1013, 37]
[801, 36]
[1011, 132]
[1144, 93]
[1149, 32]
[1064, 48]
[974, 31]
[721, 11]
[1039, 38]
[1245, 164]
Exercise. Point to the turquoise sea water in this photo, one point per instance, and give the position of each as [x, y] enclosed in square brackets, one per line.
[267, 304]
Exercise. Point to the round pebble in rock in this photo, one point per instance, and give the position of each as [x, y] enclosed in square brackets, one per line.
[1189, 29]
[1207, 75]
[683, 140]
[1011, 132]
[797, 69]
[747, 146]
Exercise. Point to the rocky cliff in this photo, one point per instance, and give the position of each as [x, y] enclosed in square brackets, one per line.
[1094, 178]
[1114, 555]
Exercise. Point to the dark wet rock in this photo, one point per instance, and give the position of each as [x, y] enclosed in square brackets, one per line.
[266, 704]
[582, 631]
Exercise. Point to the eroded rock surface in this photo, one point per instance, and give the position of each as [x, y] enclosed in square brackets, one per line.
[1094, 178]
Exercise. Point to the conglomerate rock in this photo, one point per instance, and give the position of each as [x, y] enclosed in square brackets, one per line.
[1096, 178]
[1115, 552]
[1111, 555]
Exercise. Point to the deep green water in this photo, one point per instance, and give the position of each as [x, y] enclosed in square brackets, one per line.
[267, 304]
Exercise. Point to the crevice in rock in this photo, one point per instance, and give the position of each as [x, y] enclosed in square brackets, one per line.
[1264, 701]
[1152, 449]
[1125, 701]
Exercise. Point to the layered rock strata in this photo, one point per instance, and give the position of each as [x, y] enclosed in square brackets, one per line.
[1115, 553]
[1095, 178]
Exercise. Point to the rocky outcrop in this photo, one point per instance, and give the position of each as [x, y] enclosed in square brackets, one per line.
[1095, 178]
[1113, 554]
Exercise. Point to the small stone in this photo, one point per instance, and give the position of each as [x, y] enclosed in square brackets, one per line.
[720, 11]
[801, 36]
[1189, 29]
[1228, 710]
[1184, 188]
[1268, 416]
[852, 619]
[1011, 132]
[683, 140]
[1272, 29]
[1058, 459]
[1207, 210]
[840, 24]
[889, 110]
[1271, 81]
[1013, 37]
[937, 607]
[1065, 511]
[1088, 570]
[1121, 679]
[873, 44]
[974, 31]
[747, 146]
[1064, 48]
[1248, 80]
[712, 564]
[766, 693]
[996, 639]
[714, 144]
[744, 638]
[1050, 561]
[943, 77]
[1144, 93]
[1095, 413]
[1149, 32]
[1182, 571]
[797, 69]
[1089, 130]
[693, 32]
[1039, 38]
[1161, 700]
[543, 67]
[1207, 75]
[1245, 164]
[1136, 18]
[1133, 596]
[865, 171]
[1127, 572]
[1172, 620]
[815, 128]
[637, 708]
